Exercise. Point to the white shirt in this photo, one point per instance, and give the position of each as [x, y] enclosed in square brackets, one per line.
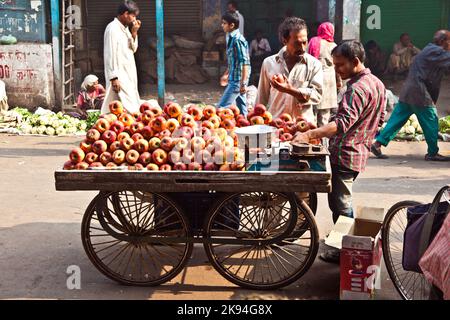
[241, 22]
[119, 49]
[306, 76]
[260, 48]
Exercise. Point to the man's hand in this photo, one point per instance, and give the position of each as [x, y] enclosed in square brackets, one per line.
[136, 26]
[301, 137]
[281, 83]
[115, 85]
[224, 79]
[243, 88]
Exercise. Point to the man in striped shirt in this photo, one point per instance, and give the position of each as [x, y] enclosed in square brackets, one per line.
[352, 130]
[238, 71]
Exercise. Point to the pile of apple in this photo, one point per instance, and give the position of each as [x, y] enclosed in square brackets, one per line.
[286, 125]
[162, 139]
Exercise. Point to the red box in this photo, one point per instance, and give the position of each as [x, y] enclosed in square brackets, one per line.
[360, 242]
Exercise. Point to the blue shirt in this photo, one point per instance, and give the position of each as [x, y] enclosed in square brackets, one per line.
[237, 55]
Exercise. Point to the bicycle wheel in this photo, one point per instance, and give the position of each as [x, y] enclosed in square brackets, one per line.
[115, 231]
[260, 216]
[410, 285]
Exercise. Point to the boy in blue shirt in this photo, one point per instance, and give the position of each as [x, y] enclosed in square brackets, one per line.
[238, 71]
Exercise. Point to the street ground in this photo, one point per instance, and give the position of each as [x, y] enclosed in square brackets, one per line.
[40, 228]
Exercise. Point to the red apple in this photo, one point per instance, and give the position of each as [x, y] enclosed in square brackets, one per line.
[188, 156]
[147, 132]
[126, 144]
[123, 135]
[210, 166]
[267, 116]
[138, 166]
[228, 124]
[69, 165]
[172, 125]
[216, 121]
[279, 123]
[146, 117]
[102, 125]
[117, 127]
[225, 113]
[257, 120]
[85, 146]
[136, 127]
[180, 144]
[286, 137]
[76, 155]
[302, 126]
[209, 111]
[208, 124]
[290, 127]
[154, 143]
[156, 110]
[235, 110]
[116, 107]
[96, 165]
[243, 123]
[145, 158]
[188, 120]
[91, 157]
[165, 167]
[225, 167]
[158, 124]
[99, 147]
[111, 117]
[137, 136]
[164, 133]
[159, 157]
[105, 158]
[174, 110]
[167, 143]
[180, 166]
[132, 156]
[111, 165]
[145, 106]
[197, 143]
[92, 135]
[195, 166]
[82, 166]
[195, 112]
[152, 167]
[127, 119]
[259, 110]
[286, 117]
[114, 146]
[141, 145]
[109, 136]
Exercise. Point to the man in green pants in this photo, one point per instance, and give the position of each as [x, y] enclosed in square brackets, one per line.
[419, 95]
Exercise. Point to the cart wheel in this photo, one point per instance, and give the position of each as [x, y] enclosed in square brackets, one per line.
[410, 285]
[310, 199]
[260, 216]
[115, 231]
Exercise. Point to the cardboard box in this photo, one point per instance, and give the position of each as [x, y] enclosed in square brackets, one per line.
[211, 56]
[359, 240]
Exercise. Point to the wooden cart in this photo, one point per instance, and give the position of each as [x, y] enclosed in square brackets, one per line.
[142, 226]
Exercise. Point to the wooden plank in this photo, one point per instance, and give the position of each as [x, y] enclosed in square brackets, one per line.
[192, 181]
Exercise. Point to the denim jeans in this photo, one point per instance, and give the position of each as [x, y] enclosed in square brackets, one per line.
[232, 95]
[340, 198]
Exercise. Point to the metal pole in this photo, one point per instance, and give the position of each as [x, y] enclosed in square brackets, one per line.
[160, 50]
[56, 48]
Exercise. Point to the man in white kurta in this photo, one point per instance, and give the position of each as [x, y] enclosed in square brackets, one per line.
[120, 44]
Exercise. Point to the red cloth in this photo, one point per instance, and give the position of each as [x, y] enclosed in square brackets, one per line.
[85, 97]
[435, 263]
[325, 32]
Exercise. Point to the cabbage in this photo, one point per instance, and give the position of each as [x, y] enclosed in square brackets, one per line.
[415, 124]
[50, 131]
[41, 129]
[60, 131]
[82, 126]
[25, 128]
[413, 118]
[71, 130]
[410, 130]
[34, 130]
[444, 124]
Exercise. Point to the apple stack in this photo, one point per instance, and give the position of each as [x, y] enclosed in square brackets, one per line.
[162, 139]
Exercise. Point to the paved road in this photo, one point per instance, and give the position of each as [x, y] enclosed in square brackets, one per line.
[40, 228]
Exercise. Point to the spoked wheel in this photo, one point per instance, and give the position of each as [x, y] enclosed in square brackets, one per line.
[410, 285]
[310, 199]
[127, 236]
[249, 219]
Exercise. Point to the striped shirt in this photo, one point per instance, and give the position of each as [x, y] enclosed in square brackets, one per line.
[237, 55]
[359, 115]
